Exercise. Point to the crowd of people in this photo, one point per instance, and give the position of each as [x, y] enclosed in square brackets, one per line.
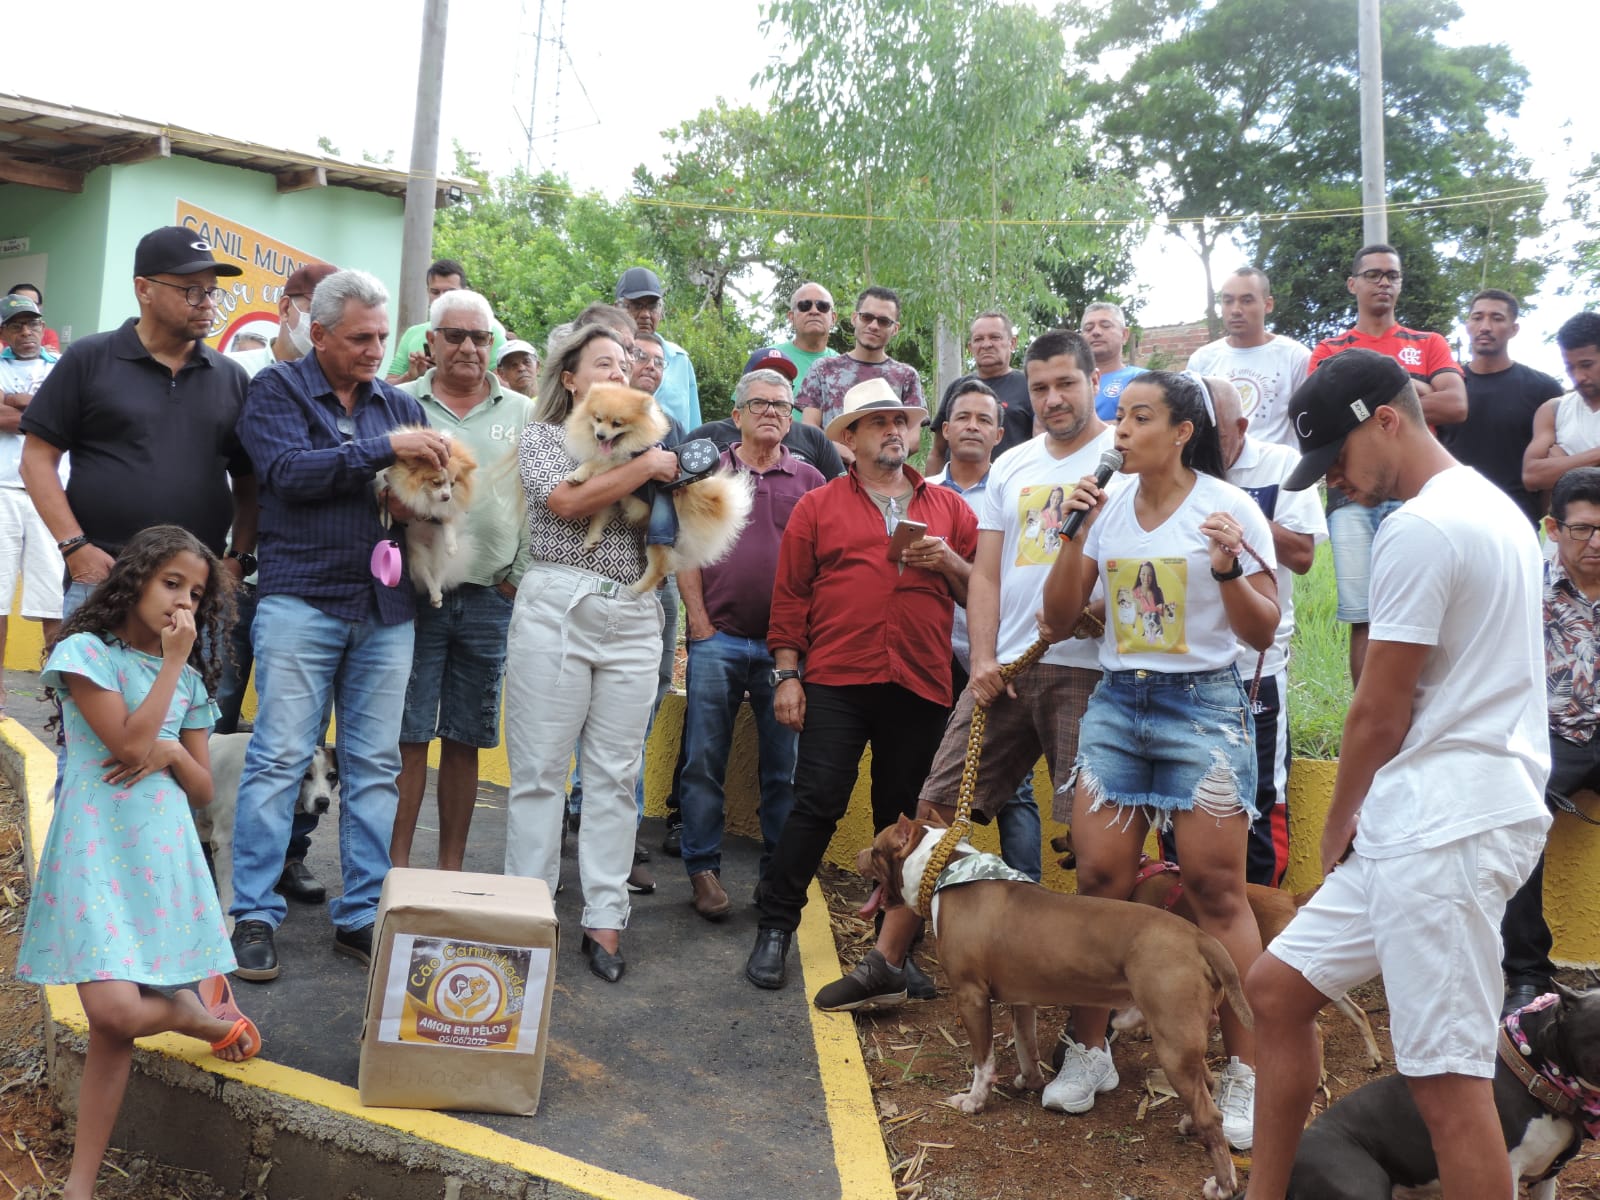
[181, 518]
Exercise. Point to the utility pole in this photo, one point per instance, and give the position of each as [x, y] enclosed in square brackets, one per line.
[416, 246]
[1374, 200]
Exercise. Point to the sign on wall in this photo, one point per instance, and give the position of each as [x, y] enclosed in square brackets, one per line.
[251, 305]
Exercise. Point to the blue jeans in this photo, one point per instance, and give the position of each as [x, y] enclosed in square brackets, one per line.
[230, 699]
[304, 658]
[722, 669]
[1021, 835]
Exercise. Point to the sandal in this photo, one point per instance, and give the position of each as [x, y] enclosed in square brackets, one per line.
[217, 996]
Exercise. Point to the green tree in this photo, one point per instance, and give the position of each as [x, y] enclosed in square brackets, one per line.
[1231, 109]
[1584, 258]
[936, 143]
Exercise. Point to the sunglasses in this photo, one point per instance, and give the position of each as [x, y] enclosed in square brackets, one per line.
[875, 319]
[808, 305]
[480, 337]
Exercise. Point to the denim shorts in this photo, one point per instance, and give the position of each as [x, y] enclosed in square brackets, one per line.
[1351, 530]
[1169, 743]
[457, 667]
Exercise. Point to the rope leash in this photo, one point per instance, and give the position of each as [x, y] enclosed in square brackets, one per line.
[962, 825]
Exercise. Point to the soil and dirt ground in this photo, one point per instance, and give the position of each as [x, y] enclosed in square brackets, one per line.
[1127, 1148]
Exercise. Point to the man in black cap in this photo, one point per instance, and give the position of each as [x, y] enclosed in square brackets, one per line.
[639, 292]
[147, 412]
[1444, 763]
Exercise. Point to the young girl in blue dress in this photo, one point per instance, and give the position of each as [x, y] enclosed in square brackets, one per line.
[123, 904]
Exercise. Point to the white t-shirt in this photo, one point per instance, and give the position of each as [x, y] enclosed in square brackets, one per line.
[1163, 610]
[20, 375]
[255, 361]
[1260, 471]
[1022, 485]
[1266, 376]
[1457, 568]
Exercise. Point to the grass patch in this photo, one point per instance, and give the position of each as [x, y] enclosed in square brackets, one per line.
[1319, 664]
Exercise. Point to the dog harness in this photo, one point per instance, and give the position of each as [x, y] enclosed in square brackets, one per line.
[1149, 868]
[974, 868]
[1557, 1089]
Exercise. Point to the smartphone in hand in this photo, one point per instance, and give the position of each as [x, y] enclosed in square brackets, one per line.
[904, 534]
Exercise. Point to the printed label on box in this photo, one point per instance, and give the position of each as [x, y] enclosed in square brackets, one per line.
[464, 994]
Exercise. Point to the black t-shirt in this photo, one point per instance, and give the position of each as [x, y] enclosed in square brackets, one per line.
[147, 447]
[1012, 388]
[806, 442]
[1499, 426]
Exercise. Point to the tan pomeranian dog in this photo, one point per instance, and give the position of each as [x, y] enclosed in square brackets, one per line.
[612, 425]
[438, 546]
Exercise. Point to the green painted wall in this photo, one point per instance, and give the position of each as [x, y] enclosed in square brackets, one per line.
[71, 230]
[90, 237]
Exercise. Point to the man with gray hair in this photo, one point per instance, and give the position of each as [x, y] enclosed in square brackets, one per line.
[728, 604]
[328, 627]
[1105, 328]
[459, 655]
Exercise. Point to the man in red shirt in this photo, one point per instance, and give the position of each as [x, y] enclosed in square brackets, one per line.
[1375, 283]
[872, 630]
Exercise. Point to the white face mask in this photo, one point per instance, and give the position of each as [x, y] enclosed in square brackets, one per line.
[300, 333]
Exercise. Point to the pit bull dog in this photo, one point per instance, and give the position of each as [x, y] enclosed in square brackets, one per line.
[1373, 1143]
[1024, 945]
[214, 823]
[1161, 885]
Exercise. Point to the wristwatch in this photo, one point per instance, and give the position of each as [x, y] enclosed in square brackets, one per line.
[1224, 576]
[778, 676]
[246, 560]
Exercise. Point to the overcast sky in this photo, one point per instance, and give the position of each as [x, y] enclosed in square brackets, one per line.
[346, 69]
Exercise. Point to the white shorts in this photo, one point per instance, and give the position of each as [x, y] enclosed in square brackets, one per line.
[26, 546]
[1429, 923]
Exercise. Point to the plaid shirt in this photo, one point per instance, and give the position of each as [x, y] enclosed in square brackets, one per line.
[319, 509]
[1571, 649]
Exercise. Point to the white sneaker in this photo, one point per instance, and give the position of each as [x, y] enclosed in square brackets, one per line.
[1083, 1075]
[1236, 1097]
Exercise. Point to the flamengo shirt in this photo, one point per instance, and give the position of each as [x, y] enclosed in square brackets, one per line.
[1024, 503]
[1260, 471]
[1163, 610]
[852, 615]
[1457, 568]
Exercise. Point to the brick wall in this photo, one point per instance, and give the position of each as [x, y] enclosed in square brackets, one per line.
[1173, 343]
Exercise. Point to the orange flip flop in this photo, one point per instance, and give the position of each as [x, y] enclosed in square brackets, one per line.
[217, 996]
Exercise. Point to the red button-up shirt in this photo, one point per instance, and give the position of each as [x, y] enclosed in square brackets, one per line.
[853, 616]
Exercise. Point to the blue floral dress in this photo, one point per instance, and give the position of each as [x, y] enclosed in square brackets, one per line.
[123, 891]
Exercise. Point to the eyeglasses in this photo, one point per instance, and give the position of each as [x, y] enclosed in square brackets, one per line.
[642, 303]
[195, 294]
[762, 407]
[1377, 276]
[875, 319]
[32, 325]
[480, 337]
[1579, 533]
[808, 305]
[643, 359]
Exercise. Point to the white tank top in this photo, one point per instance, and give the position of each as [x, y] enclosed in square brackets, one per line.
[1577, 425]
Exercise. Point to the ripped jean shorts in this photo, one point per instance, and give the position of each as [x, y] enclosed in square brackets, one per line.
[1169, 743]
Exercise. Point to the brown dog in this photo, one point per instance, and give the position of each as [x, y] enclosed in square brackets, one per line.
[1162, 887]
[1024, 945]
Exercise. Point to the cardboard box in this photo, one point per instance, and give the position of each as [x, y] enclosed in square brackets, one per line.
[458, 999]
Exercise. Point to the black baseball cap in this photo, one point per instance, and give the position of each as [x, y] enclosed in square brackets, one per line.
[637, 283]
[174, 250]
[1332, 404]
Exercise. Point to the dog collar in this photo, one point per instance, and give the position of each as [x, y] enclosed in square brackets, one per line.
[1555, 1089]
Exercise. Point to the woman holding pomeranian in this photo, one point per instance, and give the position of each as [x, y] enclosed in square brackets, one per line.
[1167, 740]
[583, 652]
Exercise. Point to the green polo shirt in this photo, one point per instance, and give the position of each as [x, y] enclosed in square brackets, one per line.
[498, 517]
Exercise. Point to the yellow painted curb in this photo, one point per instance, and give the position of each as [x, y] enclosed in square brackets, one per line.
[858, 1145]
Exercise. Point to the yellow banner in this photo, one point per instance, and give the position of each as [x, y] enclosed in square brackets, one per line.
[251, 305]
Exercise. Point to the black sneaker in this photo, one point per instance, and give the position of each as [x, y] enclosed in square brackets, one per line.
[357, 943]
[255, 951]
[919, 985]
[672, 844]
[873, 984]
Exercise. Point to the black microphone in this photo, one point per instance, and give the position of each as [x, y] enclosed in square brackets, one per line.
[1110, 464]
